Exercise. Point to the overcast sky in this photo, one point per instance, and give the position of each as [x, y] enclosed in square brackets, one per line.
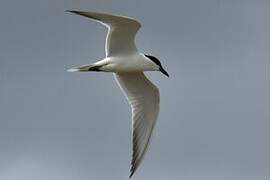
[214, 122]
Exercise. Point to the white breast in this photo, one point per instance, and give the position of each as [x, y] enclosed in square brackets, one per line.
[129, 63]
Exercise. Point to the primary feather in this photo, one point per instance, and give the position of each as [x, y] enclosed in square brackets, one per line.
[121, 31]
[143, 97]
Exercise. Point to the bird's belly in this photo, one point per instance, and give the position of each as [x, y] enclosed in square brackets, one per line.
[123, 67]
[132, 63]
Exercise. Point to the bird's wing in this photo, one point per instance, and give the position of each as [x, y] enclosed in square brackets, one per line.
[143, 97]
[121, 31]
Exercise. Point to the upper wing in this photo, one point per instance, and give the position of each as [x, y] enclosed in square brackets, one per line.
[143, 97]
[121, 31]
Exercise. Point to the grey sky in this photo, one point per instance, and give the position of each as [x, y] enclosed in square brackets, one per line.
[215, 107]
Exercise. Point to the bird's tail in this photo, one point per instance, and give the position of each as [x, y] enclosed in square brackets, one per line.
[85, 68]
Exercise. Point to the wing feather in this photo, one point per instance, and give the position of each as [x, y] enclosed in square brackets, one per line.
[121, 31]
[143, 97]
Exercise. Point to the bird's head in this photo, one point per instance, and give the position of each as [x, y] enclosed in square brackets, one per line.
[157, 64]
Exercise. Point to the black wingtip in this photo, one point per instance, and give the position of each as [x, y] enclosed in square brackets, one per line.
[132, 169]
[131, 173]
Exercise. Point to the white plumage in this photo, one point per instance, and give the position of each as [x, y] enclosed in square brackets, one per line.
[128, 65]
[143, 97]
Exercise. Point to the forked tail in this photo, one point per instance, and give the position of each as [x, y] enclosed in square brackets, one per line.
[85, 68]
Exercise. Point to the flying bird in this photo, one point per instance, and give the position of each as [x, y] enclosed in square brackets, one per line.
[128, 65]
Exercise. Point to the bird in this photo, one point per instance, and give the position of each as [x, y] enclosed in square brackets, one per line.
[128, 66]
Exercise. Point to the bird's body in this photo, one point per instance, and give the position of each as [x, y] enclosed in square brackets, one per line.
[127, 64]
[135, 62]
